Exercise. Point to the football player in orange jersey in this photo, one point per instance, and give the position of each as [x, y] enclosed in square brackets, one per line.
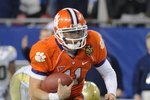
[71, 50]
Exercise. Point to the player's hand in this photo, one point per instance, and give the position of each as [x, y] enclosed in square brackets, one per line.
[110, 96]
[137, 97]
[64, 91]
[119, 92]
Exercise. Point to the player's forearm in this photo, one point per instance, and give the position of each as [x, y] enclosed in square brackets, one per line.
[109, 77]
[39, 94]
[111, 83]
[34, 90]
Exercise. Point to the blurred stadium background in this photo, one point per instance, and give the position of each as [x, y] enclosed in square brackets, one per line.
[124, 35]
[127, 44]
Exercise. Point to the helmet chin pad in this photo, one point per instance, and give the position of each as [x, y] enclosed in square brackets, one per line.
[73, 46]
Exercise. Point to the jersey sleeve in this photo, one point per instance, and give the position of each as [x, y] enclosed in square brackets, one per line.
[102, 54]
[100, 51]
[40, 61]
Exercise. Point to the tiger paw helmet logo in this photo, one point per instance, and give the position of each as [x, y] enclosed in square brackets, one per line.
[88, 50]
[40, 57]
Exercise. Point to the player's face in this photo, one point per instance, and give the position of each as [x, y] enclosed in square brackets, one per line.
[70, 28]
[73, 35]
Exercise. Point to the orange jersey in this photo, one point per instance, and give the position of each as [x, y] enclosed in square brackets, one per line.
[47, 56]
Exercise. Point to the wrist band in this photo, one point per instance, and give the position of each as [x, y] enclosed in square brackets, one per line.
[53, 96]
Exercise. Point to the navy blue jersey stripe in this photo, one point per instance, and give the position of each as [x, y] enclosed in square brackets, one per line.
[59, 45]
[101, 63]
[39, 73]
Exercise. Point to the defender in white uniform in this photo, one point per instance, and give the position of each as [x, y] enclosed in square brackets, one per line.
[20, 83]
[8, 55]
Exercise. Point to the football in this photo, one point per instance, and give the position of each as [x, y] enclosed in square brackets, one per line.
[50, 84]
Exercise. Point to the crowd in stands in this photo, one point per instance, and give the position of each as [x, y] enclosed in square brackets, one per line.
[89, 8]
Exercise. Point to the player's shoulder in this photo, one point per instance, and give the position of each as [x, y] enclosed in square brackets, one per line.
[94, 36]
[47, 45]
[45, 42]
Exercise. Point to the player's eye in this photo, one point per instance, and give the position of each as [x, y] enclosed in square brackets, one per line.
[74, 34]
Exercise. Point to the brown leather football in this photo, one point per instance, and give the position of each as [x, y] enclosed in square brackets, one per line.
[50, 84]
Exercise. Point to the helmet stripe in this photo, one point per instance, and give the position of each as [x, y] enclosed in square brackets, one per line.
[76, 17]
[70, 16]
[73, 16]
